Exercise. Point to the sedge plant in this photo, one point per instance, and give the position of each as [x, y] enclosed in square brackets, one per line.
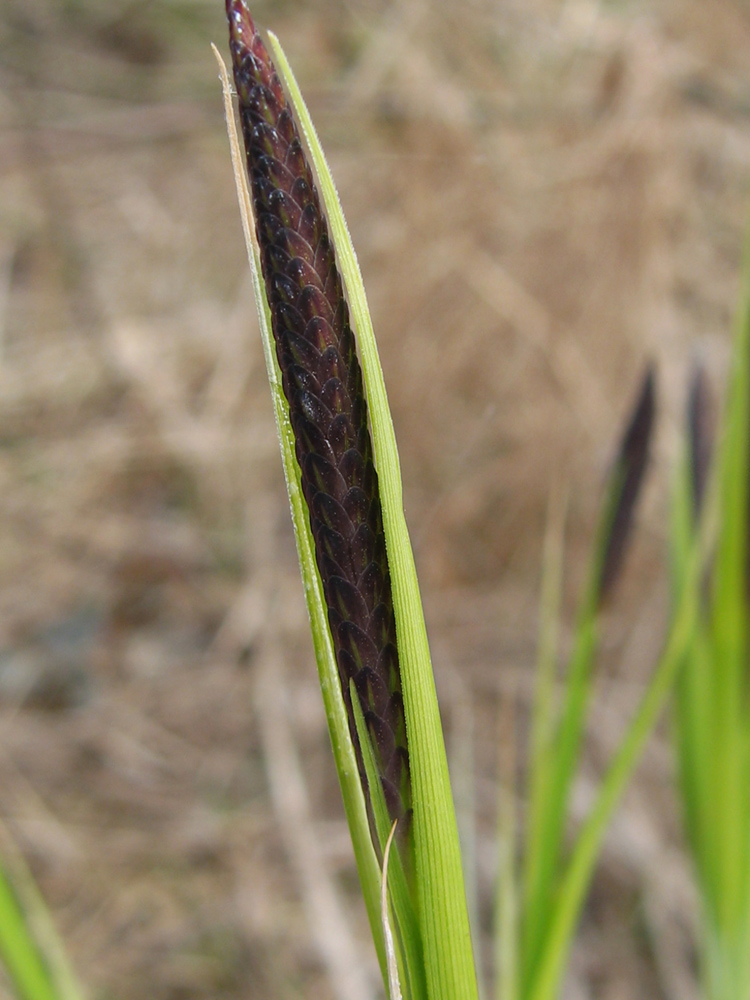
[539, 902]
[558, 730]
[532, 946]
[344, 484]
[712, 704]
[357, 565]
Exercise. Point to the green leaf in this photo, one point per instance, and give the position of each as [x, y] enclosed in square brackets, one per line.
[444, 920]
[551, 802]
[546, 981]
[712, 721]
[542, 765]
[730, 636]
[506, 950]
[30, 947]
[26, 970]
[693, 726]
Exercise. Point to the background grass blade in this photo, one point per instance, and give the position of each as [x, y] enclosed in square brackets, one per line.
[544, 724]
[26, 970]
[547, 977]
[559, 759]
[30, 948]
[712, 720]
[729, 629]
[507, 896]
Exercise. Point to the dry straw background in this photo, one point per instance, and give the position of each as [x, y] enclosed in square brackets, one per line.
[544, 195]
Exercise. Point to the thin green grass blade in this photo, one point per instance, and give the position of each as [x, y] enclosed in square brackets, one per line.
[730, 569]
[343, 751]
[547, 979]
[550, 818]
[30, 948]
[730, 635]
[27, 972]
[543, 711]
[712, 724]
[506, 936]
[508, 979]
[694, 691]
[693, 734]
[444, 918]
[549, 831]
[543, 717]
[611, 538]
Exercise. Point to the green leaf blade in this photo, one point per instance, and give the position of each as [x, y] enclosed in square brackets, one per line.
[30, 948]
[444, 918]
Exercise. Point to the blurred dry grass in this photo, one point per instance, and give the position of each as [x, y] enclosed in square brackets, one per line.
[543, 194]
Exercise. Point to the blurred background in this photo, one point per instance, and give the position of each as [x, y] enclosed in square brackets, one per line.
[544, 195]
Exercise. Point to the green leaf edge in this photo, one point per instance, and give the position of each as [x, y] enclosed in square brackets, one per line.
[449, 958]
[335, 709]
[26, 969]
[543, 742]
[557, 764]
[32, 952]
[559, 759]
[711, 731]
[729, 621]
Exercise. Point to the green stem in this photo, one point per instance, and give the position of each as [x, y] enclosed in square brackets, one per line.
[547, 975]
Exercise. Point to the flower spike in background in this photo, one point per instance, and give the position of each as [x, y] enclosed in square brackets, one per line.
[626, 481]
[700, 435]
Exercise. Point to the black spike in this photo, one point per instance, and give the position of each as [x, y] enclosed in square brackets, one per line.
[700, 435]
[626, 479]
[322, 382]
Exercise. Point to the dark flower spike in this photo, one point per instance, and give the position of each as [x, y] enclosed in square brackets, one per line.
[322, 383]
[700, 435]
[626, 478]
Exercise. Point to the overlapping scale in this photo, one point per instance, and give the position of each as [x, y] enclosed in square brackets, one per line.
[322, 381]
